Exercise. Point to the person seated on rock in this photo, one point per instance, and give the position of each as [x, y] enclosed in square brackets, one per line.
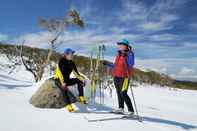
[65, 67]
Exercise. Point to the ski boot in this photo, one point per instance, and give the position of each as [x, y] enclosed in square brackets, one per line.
[130, 114]
[70, 108]
[82, 100]
[118, 111]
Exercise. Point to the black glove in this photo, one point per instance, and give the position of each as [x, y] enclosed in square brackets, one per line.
[82, 83]
[105, 63]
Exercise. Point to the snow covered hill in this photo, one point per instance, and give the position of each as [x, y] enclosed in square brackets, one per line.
[162, 109]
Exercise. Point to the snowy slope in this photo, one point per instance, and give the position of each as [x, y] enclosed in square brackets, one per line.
[161, 108]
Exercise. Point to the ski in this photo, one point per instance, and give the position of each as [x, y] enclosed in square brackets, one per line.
[119, 116]
[125, 117]
[128, 116]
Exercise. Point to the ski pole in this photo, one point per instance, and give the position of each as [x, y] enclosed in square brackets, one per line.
[139, 118]
[103, 73]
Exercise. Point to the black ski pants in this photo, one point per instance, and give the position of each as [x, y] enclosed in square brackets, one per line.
[67, 94]
[122, 85]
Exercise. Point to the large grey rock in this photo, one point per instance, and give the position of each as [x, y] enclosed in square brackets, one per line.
[49, 96]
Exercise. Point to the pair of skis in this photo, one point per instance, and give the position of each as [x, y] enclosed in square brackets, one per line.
[96, 72]
[120, 116]
[133, 116]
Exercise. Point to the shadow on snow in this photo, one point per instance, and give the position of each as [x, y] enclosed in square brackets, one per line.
[102, 109]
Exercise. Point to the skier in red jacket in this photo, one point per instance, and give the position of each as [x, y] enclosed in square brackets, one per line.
[122, 71]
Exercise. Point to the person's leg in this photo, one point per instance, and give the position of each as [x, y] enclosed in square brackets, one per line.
[125, 96]
[65, 95]
[117, 83]
[74, 81]
[80, 87]
[127, 101]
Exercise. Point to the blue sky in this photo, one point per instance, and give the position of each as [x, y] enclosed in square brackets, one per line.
[162, 32]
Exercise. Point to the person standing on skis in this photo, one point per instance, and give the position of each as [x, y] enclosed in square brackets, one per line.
[62, 73]
[122, 71]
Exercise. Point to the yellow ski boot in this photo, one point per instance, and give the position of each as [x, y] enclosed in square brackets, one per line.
[82, 100]
[70, 108]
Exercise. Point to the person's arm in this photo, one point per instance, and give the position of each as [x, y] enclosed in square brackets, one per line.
[58, 73]
[131, 59]
[109, 65]
[76, 73]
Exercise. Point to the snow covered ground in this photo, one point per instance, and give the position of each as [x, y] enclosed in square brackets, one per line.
[162, 109]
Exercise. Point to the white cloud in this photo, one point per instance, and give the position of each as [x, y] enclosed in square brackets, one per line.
[76, 39]
[190, 45]
[185, 71]
[118, 30]
[3, 37]
[40, 39]
[154, 26]
[155, 18]
[194, 25]
[169, 17]
[163, 37]
[132, 11]
[161, 22]
[153, 64]
[174, 67]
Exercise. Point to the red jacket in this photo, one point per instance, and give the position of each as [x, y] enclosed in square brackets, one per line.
[121, 68]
